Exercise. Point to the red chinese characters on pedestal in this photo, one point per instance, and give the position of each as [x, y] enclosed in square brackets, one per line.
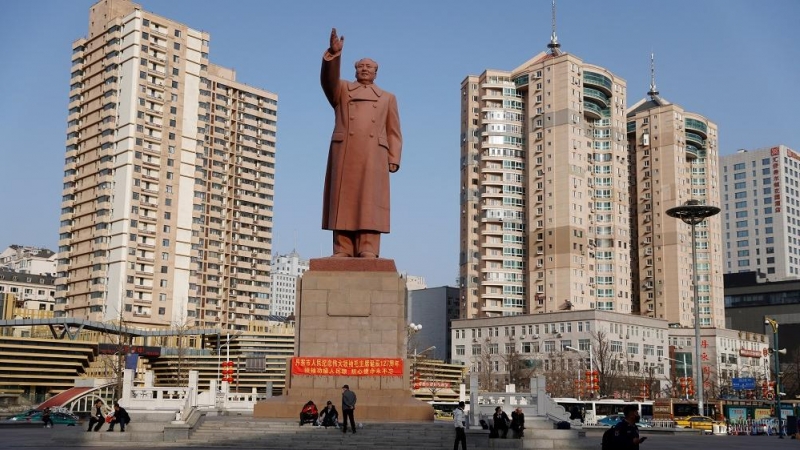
[360, 367]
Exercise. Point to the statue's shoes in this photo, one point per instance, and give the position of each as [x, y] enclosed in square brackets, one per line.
[367, 255]
[341, 255]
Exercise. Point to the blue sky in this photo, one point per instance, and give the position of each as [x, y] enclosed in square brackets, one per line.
[736, 62]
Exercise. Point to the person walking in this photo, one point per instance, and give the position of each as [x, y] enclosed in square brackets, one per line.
[98, 417]
[626, 433]
[48, 421]
[459, 421]
[121, 417]
[348, 406]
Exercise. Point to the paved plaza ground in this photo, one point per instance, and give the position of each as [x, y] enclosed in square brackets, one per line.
[64, 437]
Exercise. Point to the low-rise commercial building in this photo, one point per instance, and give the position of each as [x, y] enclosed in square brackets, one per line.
[627, 351]
[725, 354]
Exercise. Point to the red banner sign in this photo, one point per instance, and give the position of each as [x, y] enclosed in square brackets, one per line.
[776, 174]
[431, 384]
[360, 367]
[749, 353]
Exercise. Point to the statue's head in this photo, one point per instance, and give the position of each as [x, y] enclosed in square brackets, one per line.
[366, 70]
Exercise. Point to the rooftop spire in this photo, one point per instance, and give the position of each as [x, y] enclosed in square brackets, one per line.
[653, 91]
[554, 46]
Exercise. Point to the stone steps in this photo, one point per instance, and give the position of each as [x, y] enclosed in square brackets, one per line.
[247, 432]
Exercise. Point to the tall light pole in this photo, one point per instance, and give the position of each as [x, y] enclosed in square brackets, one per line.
[227, 346]
[693, 213]
[685, 376]
[776, 351]
[591, 366]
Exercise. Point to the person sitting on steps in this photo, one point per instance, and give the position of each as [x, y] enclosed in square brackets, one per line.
[309, 413]
[121, 417]
[98, 418]
[329, 417]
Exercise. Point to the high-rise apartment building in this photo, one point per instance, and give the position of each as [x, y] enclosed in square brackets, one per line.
[544, 189]
[761, 212]
[286, 269]
[673, 159]
[168, 182]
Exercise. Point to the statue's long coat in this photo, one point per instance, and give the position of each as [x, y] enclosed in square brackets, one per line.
[366, 138]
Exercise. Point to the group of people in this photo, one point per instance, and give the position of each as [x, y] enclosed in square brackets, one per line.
[499, 427]
[119, 416]
[329, 416]
[501, 423]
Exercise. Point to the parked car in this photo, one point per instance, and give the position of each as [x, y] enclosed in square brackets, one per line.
[610, 421]
[24, 415]
[696, 422]
[58, 417]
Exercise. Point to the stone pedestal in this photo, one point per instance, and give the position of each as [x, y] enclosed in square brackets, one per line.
[350, 308]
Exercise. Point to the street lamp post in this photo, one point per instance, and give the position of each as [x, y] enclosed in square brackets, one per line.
[693, 213]
[685, 375]
[776, 355]
[227, 346]
[591, 366]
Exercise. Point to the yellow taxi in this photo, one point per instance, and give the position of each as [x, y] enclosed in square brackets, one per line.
[696, 422]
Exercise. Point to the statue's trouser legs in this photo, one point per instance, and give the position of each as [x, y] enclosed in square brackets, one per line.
[354, 243]
[343, 243]
[368, 242]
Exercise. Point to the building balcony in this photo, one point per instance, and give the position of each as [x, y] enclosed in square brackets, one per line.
[596, 96]
[692, 152]
[697, 127]
[598, 81]
[592, 111]
[695, 139]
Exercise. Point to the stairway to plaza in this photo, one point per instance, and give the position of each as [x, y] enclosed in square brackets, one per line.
[247, 432]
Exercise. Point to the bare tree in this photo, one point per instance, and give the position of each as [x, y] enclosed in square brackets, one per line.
[487, 376]
[560, 375]
[790, 380]
[431, 375]
[608, 363]
[520, 369]
[113, 363]
[182, 327]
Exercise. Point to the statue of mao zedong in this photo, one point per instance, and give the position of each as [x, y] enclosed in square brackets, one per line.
[365, 147]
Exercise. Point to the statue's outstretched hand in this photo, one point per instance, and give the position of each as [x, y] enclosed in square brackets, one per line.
[337, 43]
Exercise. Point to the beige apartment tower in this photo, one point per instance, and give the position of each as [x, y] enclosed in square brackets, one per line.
[169, 178]
[544, 189]
[674, 158]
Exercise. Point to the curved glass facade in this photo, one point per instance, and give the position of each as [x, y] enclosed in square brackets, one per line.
[597, 96]
[597, 80]
[698, 126]
[696, 139]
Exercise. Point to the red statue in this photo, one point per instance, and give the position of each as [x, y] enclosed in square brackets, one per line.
[365, 148]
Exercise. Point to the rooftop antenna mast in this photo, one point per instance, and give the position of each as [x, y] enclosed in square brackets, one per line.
[653, 93]
[554, 46]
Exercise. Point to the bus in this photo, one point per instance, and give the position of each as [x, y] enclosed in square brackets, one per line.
[593, 410]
